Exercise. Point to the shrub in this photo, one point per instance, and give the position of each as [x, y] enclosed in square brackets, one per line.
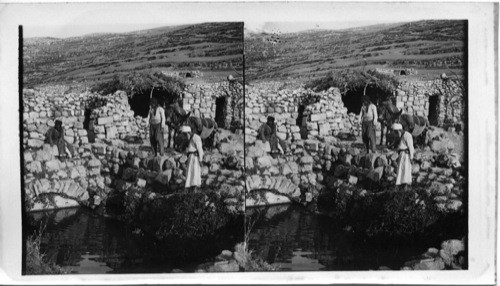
[184, 216]
[353, 80]
[396, 213]
[36, 262]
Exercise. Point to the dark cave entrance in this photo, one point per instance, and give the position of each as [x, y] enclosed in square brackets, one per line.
[302, 122]
[188, 74]
[402, 72]
[353, 99]
[88, 124]
[139, 103]
[433, 114]
[221, 111]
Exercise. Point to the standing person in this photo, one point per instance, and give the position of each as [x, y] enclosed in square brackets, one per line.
[156, 118]
[406, 152]
[368, 122]
[195, 157]
[55, 136]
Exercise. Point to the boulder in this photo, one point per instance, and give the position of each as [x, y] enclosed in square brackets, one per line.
[430, 264]
[353, 180]
[226, 266]
[141, 183]
[376, 174]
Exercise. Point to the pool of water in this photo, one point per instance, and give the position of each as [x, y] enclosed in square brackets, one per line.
[82, 242]
[295, 239]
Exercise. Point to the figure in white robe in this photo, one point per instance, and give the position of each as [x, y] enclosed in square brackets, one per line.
[406, 152]
[195, 157]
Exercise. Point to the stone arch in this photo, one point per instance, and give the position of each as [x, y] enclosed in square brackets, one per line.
[353, 99]
[279, 184]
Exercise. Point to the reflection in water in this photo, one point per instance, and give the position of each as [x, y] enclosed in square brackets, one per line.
[297, 240]
[82, 242]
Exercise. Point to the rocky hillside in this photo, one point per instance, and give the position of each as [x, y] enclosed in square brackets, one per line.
[428, 46]
[209, 47]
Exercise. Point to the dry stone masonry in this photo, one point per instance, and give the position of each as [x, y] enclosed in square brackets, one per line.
[109, 161]
[323, 117]
[420, 97]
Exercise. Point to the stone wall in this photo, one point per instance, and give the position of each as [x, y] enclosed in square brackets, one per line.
[52, 182]
[325, 116]
[296, 176]
[201, 100]
[413, 96]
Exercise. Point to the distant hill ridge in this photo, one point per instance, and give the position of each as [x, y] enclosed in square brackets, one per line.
[98, 56]
[428, 46]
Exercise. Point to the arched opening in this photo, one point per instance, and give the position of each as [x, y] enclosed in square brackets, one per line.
[188, 74]
[353, 99]
[433, 116]
[220, 111]
[402, 72]
[302, 122]
[139, 102]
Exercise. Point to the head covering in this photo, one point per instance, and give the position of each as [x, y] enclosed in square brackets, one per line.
[397, 126]
[270, 118]
[58, 122]
[185, 129]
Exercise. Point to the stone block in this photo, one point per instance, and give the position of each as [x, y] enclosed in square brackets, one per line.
[53, 166]
[141, 183]
[105, 120]
[264, 162]
[319, 117]
[111, 132]
[94, 163]
[281, 135]
[324, 129]
[82, 132]
[34, 167]
[306, 160]
[43, 155]
[73, 173]
[311, 145]
[35, 143]
[353, 180]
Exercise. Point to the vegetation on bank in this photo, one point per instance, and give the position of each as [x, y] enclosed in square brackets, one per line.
[36, 261]
[392, 212]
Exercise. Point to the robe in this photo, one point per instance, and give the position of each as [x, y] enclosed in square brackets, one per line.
[404, 163]
[193, 177]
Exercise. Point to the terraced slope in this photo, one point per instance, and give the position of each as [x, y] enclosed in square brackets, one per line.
[209, 47]
[430, 47]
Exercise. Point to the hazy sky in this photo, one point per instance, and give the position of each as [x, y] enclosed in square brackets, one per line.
[64, 31]
[66, 20]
